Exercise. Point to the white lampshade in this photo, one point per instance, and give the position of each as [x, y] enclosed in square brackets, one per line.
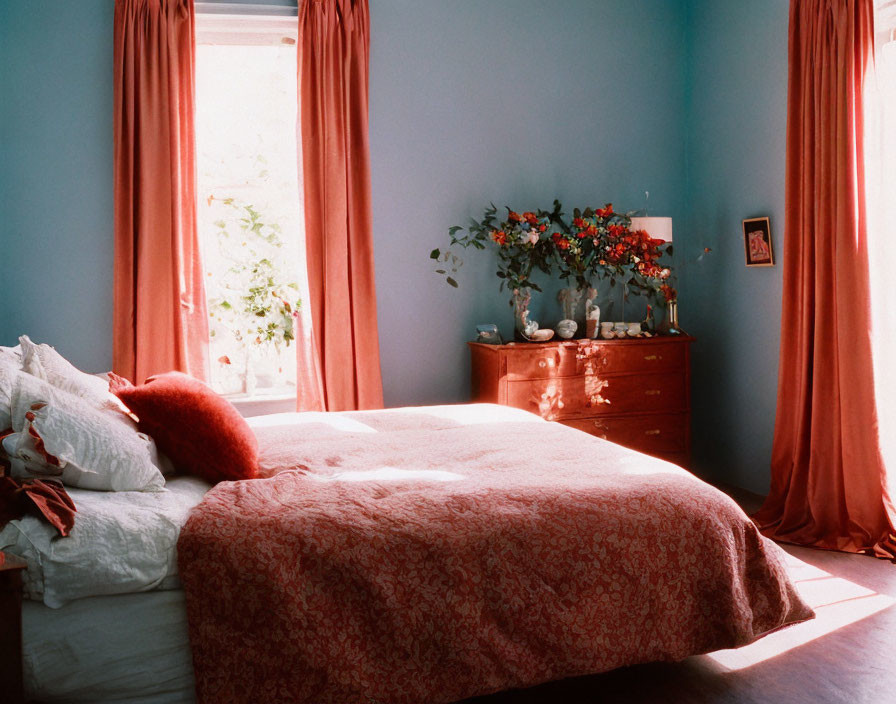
[658, 228]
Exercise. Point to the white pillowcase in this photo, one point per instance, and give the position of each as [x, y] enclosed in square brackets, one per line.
[46, 363]
[8, 370]
[95, 449]
[12, 354]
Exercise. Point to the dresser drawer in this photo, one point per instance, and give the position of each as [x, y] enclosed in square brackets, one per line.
[583, 396]
[653, 434]
[621, 357]
[584, 357]
[542, 362]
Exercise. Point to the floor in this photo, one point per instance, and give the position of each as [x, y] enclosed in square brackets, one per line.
[844, 656]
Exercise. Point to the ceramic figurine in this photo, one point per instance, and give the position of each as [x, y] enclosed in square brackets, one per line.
[531, 327]
[592, 314]
[567, 328]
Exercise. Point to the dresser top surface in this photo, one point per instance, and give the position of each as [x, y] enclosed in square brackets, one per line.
[584, 342]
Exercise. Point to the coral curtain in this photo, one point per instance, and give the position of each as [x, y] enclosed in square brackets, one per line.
[333, 64]
[160, 320]
[829, 484]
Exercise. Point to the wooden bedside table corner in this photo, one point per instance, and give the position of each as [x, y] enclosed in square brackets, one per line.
[11, 568]
[634, 392]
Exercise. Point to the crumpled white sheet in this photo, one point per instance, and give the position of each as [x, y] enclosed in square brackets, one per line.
[122, 542]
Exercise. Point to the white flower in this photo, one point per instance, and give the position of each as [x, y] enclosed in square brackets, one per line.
[532, 237]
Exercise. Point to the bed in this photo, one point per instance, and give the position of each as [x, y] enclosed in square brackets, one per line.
[407, 555]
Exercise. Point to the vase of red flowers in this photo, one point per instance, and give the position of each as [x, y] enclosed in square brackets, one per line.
[522, 247]
[669, 326]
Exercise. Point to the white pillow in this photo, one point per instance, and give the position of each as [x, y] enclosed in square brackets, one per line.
[8, 372]
[94, 449]
[12, 354]
[46, 363]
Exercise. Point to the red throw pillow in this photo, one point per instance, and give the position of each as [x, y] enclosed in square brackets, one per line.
[201, 432]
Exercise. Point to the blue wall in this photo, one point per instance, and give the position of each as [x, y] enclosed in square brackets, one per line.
[516, 102]
[56, 176]
[737, 83]
[512, 101]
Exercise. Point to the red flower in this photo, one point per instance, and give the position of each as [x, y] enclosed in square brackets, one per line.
[617, 230]
[499, 236]
[669, 293]
[530, 217]
[606, 211]
[514, 217]
[563, 243]
[578, 222]
[582, 234]
[542, 228]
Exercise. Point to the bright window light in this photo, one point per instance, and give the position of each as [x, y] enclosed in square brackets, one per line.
[880, 181]
[249, 207]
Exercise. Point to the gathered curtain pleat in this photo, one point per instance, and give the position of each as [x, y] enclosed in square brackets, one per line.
[829, 483]
[160, 318]
[342, 366]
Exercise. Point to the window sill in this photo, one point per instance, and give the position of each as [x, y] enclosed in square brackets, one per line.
[263, 404]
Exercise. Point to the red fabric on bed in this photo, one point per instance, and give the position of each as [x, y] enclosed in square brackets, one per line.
[201, 432]
[426, 560]
[47, 499]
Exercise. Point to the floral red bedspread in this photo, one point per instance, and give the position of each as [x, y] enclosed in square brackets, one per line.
[429, 555]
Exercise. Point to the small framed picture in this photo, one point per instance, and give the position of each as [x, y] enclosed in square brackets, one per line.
[758, 242]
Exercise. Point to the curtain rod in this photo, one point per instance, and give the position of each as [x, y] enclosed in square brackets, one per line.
[241, 8]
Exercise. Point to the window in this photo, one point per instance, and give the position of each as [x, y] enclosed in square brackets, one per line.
[880, 177]
[249, 208]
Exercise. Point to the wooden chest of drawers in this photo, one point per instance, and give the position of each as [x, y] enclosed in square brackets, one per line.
[632, 392]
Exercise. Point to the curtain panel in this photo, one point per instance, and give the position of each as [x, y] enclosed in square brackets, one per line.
[343, 370]
[160, 319]
[829, 485]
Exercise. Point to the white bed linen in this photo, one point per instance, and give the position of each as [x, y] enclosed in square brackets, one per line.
[122, 542]
[108, 650]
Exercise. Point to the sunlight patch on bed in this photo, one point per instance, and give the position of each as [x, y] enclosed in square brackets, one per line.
[471, 414]
[385, 474]
[335, 421]
[837, 603]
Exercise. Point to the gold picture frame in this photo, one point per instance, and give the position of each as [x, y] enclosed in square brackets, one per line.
[758, 249]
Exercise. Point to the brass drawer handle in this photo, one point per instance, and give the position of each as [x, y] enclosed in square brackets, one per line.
[652, 392]
[545, 363]
[652, 357]
[652, 432]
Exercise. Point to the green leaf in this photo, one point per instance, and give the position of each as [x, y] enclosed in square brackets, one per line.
[434, 254]
[451, 282]
[441, 271]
